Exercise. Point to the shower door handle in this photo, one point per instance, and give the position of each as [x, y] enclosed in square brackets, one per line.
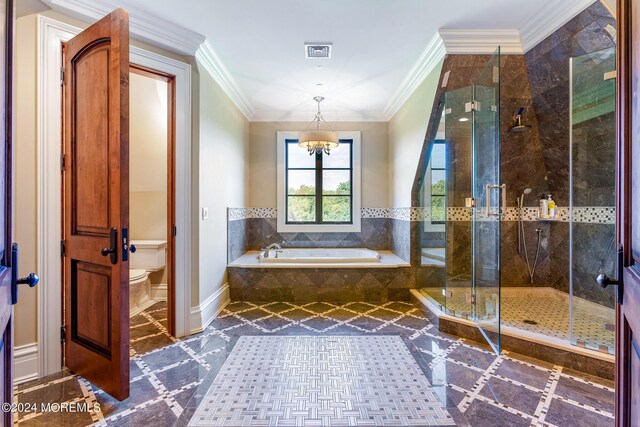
[488, 188]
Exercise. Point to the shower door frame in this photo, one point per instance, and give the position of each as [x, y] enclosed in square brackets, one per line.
[487, 218]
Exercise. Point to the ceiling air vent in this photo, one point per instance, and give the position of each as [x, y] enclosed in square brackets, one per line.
[318, 50]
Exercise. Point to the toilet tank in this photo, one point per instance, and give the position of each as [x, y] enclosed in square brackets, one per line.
[150, 255]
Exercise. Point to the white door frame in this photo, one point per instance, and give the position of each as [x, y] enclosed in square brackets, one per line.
[51, 33]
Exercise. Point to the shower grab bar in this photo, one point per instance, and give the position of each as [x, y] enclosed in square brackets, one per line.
[488, 188]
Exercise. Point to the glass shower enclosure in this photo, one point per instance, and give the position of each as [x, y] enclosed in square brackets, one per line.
[565, 306]
[592, 199]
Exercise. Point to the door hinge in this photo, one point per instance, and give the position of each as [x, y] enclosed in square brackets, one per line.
[63, 158]
[472, 106]
[61, 76]
[63, 248]
[174, 231]
[63, 333]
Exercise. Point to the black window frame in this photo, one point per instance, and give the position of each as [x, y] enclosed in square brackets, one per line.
[319, 196]
[432, 195]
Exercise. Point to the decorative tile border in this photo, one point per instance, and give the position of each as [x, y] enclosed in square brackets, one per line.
[375, 212]
[235, 214]
[584, 215]
[595, 215]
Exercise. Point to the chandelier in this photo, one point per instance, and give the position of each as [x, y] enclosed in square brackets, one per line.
[317, 141]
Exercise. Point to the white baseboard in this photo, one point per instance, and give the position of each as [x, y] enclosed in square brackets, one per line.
[25, 363]
[203, 315]
[159, 292]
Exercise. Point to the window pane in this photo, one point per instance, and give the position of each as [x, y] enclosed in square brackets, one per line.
[340, 157]
[301, 182]
[437, 209]
[438, 157]
[298, 157]
[336, 208]
[336, 182]
[438, 182]
[301, 209]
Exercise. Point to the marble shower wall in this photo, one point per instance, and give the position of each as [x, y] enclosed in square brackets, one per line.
[548, 67]
[537, 159]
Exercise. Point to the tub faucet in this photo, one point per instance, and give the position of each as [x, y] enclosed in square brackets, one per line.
[271, 246]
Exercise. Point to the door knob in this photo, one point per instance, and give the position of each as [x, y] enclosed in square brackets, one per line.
[113, 250]
[31, 280]
[603, 281]
[133, 249]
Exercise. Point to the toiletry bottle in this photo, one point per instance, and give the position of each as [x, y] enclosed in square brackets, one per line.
[551, 205]
[544, 207]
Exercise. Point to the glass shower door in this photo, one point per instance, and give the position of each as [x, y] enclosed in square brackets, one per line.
[489, 196]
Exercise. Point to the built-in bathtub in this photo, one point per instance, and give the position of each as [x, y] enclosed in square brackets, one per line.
[337, 275]
[320, 256]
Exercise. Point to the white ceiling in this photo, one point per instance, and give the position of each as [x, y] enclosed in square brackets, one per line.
[376, 44]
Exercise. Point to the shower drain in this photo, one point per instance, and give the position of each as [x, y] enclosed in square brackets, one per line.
[530, 322]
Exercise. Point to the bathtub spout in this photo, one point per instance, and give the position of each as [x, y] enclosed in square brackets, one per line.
[270, 247]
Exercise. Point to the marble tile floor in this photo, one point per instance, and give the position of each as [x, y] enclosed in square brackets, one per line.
[171, 377]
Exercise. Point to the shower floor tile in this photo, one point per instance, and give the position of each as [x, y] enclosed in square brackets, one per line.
[540, 310]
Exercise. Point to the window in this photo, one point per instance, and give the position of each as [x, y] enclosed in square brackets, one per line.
[319, 186]
[318, 192]
[438, 182]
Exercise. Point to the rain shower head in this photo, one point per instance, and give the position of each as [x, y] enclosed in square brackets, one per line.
[519, 127]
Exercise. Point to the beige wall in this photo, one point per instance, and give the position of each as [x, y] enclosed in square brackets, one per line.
[262, 161]
[222, 179]
[407, 129]
[148, 158]
[25, 163]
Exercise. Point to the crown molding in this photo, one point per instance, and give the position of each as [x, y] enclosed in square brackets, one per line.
[481, 41]
[429, 59]
[214, 66]
[549, 19]
[265, 116]
[143, 25]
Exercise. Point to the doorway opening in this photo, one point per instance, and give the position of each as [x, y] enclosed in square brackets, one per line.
[151, 196]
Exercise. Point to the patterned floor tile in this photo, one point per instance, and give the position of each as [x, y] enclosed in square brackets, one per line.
[478, 388]
[320, 380]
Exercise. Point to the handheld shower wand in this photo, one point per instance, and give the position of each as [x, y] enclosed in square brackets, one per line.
[520, 203]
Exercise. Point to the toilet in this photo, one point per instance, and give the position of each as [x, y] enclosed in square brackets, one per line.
[150, 256]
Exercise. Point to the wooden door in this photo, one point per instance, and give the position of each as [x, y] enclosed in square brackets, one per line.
[628, 309]
[96, 204]
[7, 274]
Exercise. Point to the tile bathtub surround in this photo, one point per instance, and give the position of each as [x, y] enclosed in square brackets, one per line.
[475, 386]
[382, 229]
[373, 380]
[303, 285]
